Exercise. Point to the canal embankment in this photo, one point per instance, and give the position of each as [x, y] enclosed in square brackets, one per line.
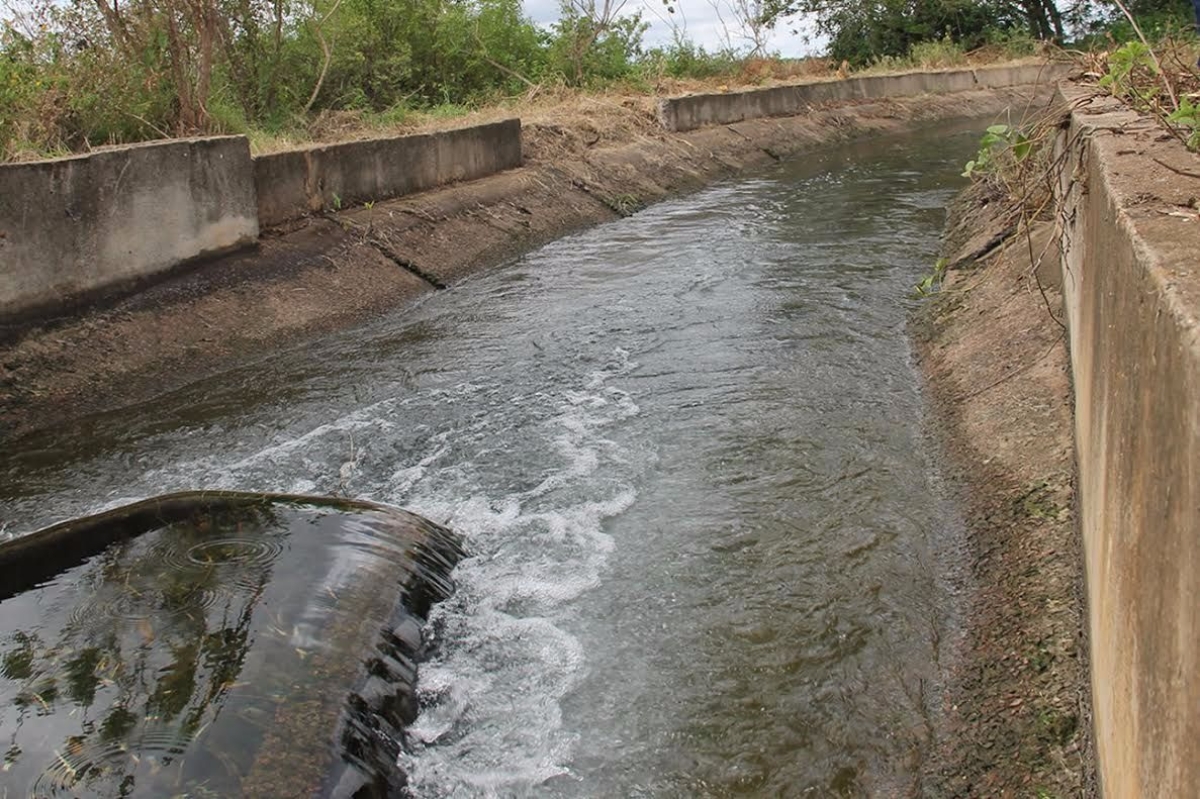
[1064, 356]
[1127, 209]
[309, 242]
[1015, 719]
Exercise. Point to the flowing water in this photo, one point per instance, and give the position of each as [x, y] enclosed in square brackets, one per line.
[685, 452]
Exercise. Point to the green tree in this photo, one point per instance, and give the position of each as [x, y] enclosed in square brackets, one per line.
[592, 40]
[861, 31]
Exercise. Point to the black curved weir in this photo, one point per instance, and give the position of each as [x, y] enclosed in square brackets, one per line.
[217, 644]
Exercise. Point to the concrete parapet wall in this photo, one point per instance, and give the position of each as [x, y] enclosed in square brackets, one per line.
[693, 111]
[1131, 280]
[71, 227]
[291, 184]
[75, 227]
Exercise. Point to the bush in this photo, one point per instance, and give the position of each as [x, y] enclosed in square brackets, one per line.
[685, 59]
[1013, 42]
[943, 52]
[97, 73]
[586, 54]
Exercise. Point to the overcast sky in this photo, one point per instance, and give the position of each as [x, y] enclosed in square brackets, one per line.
[699, 19]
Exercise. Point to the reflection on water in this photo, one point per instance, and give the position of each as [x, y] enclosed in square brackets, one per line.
[255, 647]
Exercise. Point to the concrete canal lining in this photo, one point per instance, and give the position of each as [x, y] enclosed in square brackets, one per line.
[1127, 228]
[72, 226]
[343, 267]
[313, 179]
[73, 229]
[693, 111]
[1131, 282]
[78, 228]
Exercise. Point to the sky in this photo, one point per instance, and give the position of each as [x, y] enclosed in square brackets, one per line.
[699, 19]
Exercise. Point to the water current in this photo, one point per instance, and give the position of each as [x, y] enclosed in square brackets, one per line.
[686, 453]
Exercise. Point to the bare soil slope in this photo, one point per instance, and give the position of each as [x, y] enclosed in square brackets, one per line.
[1017, 718]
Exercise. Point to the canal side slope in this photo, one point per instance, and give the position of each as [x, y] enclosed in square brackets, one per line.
[1064, 353]
[1016, 719]
[341, 267]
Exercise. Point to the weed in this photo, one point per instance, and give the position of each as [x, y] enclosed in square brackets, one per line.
[449, 110]
[931, 282]
[1157, 79]
[624, 204]
[1057, 727]
[337, 201]
[1038, 503]
[931, 54]
[1042, 658]
[1132, 74]
[1187, 118]
[370, 207]
[996, 140]
[1013, 42]
[942, 52]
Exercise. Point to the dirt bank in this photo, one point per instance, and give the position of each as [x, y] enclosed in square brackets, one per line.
[336, 270]
[1017, 719]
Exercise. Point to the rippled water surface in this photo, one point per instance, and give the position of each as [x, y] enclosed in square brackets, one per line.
[685, 452]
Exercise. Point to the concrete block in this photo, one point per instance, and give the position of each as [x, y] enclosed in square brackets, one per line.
[326, 177]
[76, 226]
[281, 186]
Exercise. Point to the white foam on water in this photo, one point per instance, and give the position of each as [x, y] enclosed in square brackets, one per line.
[491, 723]
[320, 460]
[327, 458]
[403, 479]
[504, 655]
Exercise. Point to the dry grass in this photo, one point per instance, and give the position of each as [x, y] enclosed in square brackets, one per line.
[621, 113]
[605, 110]
[628, 106]
[934, 59]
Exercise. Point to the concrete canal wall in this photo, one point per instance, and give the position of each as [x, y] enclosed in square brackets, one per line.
[75, 228]
[1131, 281]
[72, 226]
[697, 110]
[313, 179]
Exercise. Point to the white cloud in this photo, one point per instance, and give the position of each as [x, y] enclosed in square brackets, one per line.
[699, 20]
